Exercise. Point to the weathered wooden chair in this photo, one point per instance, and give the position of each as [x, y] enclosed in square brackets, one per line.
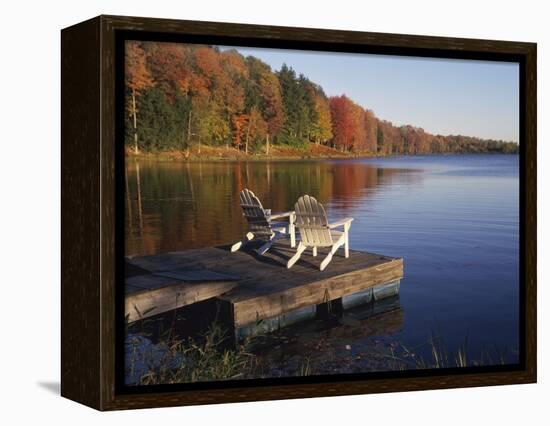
[315, 231]
[261, 225]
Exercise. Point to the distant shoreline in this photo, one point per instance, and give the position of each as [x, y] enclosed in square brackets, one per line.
[315, 152]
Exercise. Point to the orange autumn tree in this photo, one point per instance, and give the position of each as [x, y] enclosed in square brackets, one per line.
[138, 78]
[232, 92]
[359, 138]
[240, 123]
[248, 128]
[354, 128]
[343, 122]
[170, 63]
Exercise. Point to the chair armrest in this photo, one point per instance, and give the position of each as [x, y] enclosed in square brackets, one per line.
[280, 215]
[340, 222]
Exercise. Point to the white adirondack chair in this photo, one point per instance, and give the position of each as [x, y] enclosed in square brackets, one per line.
[261, 225]
[315, 231]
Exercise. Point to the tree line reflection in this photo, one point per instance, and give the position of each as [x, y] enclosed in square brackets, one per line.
[174, 206]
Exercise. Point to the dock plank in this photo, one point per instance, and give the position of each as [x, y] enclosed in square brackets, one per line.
[148, 302]
[249, 306]
[265, 287]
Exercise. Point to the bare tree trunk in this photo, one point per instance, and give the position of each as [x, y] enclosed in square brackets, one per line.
[199, 144]
[229, 127]
[183, 139]
[267, 144]
[134, 111]
[188, 132]
[247, 135]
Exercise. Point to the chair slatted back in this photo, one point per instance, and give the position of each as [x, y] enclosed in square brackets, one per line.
[255, 214]
[311, 220]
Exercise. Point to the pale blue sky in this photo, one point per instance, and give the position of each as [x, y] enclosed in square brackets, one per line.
[443, 96]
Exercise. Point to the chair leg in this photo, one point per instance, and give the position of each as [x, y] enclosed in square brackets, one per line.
[314, 251]
[294, 259]
[327, 259]
[264, 248]
[292, 231]
[248, 237]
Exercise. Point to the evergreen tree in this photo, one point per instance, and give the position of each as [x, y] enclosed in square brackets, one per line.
[159, 128]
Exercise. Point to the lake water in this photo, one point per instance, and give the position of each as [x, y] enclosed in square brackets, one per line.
[454, 220]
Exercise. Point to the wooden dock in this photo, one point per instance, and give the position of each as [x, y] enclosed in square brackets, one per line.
[258, 289]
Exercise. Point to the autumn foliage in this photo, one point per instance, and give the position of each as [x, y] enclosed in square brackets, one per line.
[180, 96]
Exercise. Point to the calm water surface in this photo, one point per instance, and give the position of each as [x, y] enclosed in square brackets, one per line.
[454, 220]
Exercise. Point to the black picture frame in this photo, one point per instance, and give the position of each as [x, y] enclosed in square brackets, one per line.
[93, 205]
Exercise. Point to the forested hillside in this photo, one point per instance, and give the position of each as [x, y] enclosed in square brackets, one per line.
[181, 97]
